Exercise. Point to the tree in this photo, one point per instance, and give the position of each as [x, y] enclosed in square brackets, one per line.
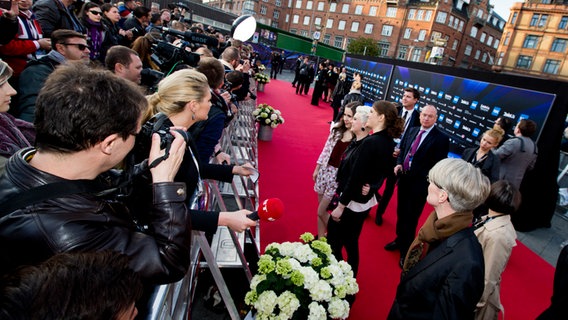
[363, 46]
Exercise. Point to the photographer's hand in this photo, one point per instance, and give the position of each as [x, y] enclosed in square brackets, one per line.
[236, 220]
[245, 170]
[227, 96]
[166, 170]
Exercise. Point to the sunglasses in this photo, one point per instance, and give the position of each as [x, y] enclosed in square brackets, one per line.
[81, 46]
[97, 13]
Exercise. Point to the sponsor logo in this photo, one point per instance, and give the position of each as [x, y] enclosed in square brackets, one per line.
[448, 96]
[449, 121]
[465, 102]
[466, 128]
[496, 111]
[434, 93]
[427, 90]
[440, 94]
[509, 115]
[457, 124]
[475, 132]
[473, 105]
[484, 107]
[523, 116]
[456, 99]
[441, 117]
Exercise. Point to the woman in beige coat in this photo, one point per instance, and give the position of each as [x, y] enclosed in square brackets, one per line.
[497, 236]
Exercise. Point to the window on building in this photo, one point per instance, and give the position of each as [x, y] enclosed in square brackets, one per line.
[391, 12]
[441, 17]
[274, 24]
[402, 52]
[420, 15]
[538, 20]
[458, 24]
[321, 6]
[531, 41]
[332, 7]
[373, 11]
[455, 44]
[473, 32]
[298, 4]
[411, 14]
[354, 26]
[358, 9]
[551, 66]
[341, 25]
[490, 41]
[558, 45]
[428, 16]
[407, 33]
[563, 23]
[524, 62]
[309, 5]
[387, 30]
[338, 42]
[435, 35]
[507, 38]
[278, 3]
[416, 54]
[329, 24]
[276, 14]
[384, 49]
[304, 33]
[295, 19]
[306, 20]
[348, 41]
[263, 9]
[477, 54]
[369, 28]
[317, 21]
[422, 35]
[484, 58]
[345, 8]
[467, 50]
[483, 36]
[294, 31]
[326, 38]
[496, 43]
[543, 20]
[514, 17]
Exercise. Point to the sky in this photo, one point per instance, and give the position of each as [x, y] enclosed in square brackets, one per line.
[502, 7]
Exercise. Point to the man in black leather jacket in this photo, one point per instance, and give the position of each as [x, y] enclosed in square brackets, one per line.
[84, 128]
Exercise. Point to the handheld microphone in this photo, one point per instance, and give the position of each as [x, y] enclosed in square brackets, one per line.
[270, 210]
[192, 36]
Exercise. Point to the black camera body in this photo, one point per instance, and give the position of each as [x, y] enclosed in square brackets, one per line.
[157, 124]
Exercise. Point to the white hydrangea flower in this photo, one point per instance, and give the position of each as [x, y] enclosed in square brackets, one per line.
[338, 308]
[288, 304]
[266, 302]
[317, 312]
[336, 275]
[321, 291]
[287, 249]
[258, 278]
[351, 285]
[345, 268]
[311, 277]
[273, 116]
[304, 253]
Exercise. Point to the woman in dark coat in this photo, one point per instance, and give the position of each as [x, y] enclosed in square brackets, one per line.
[367, 165]
[483, 157]
[443, 273]
[319, 86]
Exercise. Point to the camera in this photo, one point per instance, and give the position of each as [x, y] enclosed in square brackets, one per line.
[151, 78]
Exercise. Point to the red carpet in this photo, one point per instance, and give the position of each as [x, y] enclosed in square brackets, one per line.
[286, 165]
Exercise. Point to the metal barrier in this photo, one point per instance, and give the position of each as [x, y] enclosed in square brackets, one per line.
[239, 140]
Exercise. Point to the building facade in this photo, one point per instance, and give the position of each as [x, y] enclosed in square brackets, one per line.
[535, 38]
[462, 33]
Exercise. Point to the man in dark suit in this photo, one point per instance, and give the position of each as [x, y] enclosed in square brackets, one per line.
[411, 119]
[420, 149]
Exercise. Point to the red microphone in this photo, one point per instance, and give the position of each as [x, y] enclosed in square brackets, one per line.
[269, 210]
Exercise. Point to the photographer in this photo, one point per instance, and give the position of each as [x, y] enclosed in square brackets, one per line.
[49, 195]
[182, 99]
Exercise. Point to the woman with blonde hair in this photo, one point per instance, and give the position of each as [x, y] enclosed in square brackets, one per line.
[483, 156]
[181, 100]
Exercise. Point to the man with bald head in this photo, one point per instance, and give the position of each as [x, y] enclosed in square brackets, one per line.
[420, 149]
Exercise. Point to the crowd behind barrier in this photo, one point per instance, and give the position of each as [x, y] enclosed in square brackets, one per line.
[239, 140]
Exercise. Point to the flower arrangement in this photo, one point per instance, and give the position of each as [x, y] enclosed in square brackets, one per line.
[261, 77]
[301, 281]
[261, 67]
[267, 115]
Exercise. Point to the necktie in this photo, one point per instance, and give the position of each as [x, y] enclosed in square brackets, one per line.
[404, 115]
[413, 148]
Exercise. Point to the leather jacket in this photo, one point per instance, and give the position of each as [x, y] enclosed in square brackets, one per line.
[85, 222]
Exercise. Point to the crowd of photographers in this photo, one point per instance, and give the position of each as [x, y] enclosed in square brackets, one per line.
[91, 159]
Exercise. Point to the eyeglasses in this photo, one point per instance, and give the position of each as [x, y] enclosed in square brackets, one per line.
[95, 12]
[80, 46]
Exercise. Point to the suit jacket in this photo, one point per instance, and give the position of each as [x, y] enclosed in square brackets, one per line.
[489, 167]
[446, 284]
[434, 148]
[414, 118]
[514, 161]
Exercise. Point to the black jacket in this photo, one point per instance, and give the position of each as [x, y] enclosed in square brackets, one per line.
[52, 15]
[446, 284]
[84, 222]
[489, 167]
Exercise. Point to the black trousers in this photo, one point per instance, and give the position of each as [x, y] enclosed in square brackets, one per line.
[345, 233]
[412, 193]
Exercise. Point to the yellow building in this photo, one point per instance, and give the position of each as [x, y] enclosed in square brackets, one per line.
[535, 40]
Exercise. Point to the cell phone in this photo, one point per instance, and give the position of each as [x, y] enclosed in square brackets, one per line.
[6, 4]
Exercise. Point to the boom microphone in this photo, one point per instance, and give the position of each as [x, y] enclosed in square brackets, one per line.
[269, 210]
[192, 36]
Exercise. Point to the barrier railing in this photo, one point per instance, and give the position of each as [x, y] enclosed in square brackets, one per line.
[239, 140]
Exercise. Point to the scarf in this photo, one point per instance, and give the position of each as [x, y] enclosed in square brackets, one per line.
[95, 33]
[433, 232]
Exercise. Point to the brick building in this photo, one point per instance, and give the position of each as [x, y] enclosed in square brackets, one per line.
[463, 33]
[535, 38]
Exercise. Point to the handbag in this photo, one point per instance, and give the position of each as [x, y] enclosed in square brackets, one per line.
[333, 203]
